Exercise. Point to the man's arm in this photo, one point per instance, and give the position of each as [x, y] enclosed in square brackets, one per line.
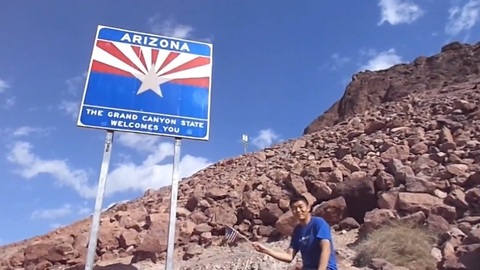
[287, 256]
[325, 236]
[325, 254]
[281, 256]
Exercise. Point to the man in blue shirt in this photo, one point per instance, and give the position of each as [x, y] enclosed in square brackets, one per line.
[312, 237]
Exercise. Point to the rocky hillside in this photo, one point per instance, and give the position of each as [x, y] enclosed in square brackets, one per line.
[416, 158]
[454, 64]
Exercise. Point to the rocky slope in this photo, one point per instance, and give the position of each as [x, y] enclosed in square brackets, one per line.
[417, 157]
[454, 64]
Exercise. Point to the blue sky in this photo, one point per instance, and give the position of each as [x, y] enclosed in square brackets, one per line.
[277, 65]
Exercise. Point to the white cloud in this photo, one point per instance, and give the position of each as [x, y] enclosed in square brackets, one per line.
[265, 138]
[70, 107]
[9, 101]
[462, 18]
[31, 165]
[130, 176]
[74, 84]
[27, 130]
[338, 62]
[62, 211]
[73, 90]
[3, 86]
[150, 173]
[169, 27]
[55, 226]
[84, 210]
[382, 60]
[154, 171]
[399, 12]
[137, 141]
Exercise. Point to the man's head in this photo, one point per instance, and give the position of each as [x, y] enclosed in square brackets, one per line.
[300, 208]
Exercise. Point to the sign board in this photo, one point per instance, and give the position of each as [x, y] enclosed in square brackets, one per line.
[148, 84]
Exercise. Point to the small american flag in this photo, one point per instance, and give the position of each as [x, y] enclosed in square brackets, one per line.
[230, 234]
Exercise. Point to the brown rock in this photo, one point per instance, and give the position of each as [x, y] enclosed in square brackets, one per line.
[381, 264]
[128, 223]
[457, 169]
[376, 218]
[47, 254]
[437, 224]
[270, 214]
[348, 224]
[127, 239]
[182, 212]
[336, 176]
[297, 183]
[388, 200]
[333, 211]
[326, 165]
[413, 202]
[359, 196]
[350, 163]
[419, 148]
[419, 185]
[201, 228]
[457, 199]
[474, 235]
[264, 230]
[415, 218]
[400, 152]
[385, 181]
[224, 216]
[193, 250]
[374, 126]
[286, 223]
[321, 190]
[196, 216]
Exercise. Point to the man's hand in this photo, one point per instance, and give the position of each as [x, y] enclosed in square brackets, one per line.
[259, 247]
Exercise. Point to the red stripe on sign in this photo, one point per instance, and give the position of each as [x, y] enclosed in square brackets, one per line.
[140, 56]
[154, 56]
[199, 61]
[171, 56]
[198, 82]
[113, 50]
[104, 68]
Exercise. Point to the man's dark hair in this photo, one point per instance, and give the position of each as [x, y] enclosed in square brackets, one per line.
[295, 199]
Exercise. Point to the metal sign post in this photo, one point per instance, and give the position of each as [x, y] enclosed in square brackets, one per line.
[102, 182]
[173, 204]
[245, 143]
[146, 84]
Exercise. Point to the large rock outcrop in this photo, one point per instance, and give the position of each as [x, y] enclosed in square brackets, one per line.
[454, 64]
[417, 158]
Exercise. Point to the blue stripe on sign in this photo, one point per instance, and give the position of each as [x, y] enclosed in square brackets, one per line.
[154, 41]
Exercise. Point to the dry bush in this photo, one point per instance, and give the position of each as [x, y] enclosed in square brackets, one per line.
[400, 243]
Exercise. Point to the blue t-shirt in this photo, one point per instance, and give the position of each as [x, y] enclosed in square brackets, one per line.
[306, 239]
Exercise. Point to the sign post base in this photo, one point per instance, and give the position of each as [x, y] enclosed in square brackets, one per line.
[173, 204]
[102, 182]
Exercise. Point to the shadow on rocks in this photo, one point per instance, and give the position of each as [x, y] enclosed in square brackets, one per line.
[115, 266]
